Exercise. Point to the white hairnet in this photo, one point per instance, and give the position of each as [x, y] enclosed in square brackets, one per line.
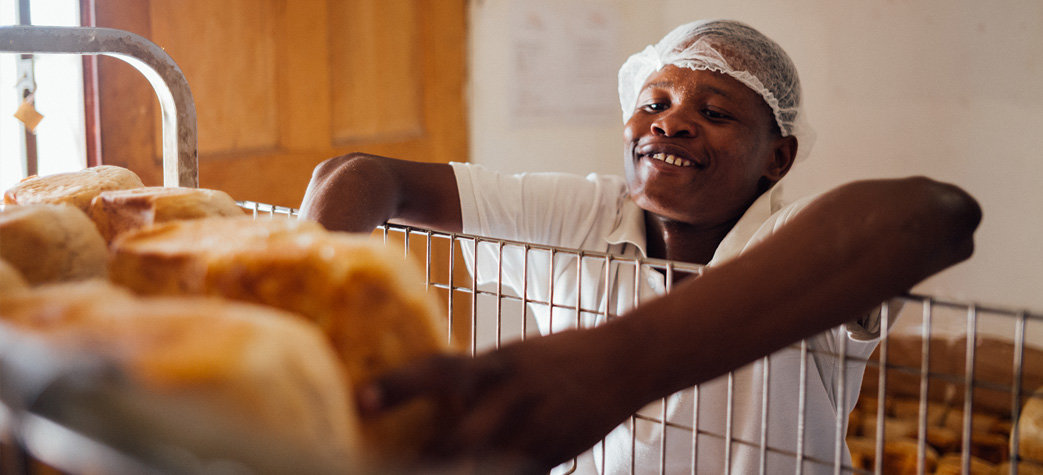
[732, 48]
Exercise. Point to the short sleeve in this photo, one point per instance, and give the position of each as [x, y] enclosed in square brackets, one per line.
[542, 208]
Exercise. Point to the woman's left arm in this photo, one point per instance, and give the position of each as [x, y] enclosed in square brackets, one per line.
[535, 404]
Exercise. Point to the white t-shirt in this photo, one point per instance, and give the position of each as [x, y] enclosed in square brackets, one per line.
[595, 214]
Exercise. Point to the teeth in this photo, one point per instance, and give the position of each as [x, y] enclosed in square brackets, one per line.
[672, 160]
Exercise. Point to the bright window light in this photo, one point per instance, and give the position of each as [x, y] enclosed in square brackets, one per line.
[61, 143]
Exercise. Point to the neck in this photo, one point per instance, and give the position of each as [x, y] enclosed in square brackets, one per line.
[677, 241]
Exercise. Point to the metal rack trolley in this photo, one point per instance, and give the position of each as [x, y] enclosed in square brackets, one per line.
[67, 450]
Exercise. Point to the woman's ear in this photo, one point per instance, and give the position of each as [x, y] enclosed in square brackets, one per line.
[783, 155]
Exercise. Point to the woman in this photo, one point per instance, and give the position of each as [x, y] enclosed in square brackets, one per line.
[712, 122]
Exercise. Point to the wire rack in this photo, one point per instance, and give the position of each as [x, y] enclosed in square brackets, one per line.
[954, 381]
[963, 367]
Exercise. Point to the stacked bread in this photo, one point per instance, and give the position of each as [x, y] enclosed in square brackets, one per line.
[372, 307]
[991, 428]
[220, 380]
[192, 252]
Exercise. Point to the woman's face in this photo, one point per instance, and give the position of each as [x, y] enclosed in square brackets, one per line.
[700, 145]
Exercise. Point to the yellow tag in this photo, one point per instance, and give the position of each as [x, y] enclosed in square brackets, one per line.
[28, 114]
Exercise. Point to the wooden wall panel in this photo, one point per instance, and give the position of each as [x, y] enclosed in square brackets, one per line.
[292, 83]
[227, 52]
[377, 85]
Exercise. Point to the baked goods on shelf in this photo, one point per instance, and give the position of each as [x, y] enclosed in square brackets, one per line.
[901, 456]
[218, 381]
[73, 188]
[1030, 428]
[369, 300]
[50, 243]
[117, 211]
[990, 427]
[952, 464]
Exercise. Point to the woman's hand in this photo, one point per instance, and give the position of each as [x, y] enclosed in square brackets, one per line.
[524, 408]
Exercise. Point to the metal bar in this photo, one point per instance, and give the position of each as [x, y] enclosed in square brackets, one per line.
[802, 399]
[695, 429]
[525, 292]
[177, 108]
[1019, 371]
[91, 91]
[550, 292]
[452, 268]
[968, 393]
[881, 390]
[728, 419]
[499, 295]
[925, 369]
[838, 443]
[765, 384]
[474, 303]
[27, 88]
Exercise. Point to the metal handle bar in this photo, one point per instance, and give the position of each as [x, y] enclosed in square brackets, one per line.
[178, 109]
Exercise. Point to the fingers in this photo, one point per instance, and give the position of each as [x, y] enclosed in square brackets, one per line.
[438, 376]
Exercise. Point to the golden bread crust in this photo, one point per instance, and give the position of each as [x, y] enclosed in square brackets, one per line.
[73, 188]
[118, 211]
[51, 243]
[247, 367]
[371, 304]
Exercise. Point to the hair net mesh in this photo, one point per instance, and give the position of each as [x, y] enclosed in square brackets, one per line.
[732, 48]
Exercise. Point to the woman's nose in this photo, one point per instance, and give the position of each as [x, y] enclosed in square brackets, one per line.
[673, 123]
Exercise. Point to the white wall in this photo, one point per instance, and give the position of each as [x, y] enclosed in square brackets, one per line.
[948, 89]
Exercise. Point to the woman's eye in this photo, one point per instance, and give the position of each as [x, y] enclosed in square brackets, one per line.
[716, 115]
[655, 106]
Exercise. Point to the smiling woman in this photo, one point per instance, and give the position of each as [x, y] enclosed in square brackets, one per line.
[699, 148]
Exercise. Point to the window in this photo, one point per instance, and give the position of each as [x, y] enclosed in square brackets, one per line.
[59, 97]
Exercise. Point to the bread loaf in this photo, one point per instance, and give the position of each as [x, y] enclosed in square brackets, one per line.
[11, 279]
[1030, 428]
[50, 243]
[370, 302]
[216, 379]
[73, 188]
[1024, 468]
[118, 211]
[900, 455]
[952, 464]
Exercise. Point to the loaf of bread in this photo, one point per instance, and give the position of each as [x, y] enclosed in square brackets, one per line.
[369, 300]
[11, 279]
[51, 243]
[1030, 428]
[900, 455]
[952, 464]
[73, 188]
[1024, 468]
[118, 211]
[220, 380]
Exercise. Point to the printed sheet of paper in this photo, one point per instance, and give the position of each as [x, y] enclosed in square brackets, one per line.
[564, 61]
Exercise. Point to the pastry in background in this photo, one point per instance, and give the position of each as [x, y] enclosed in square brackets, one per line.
[900, 455]
[51, 243]
[952, 464]
[1030, 428]
[179, 380]
[118, 211]
[73, 188]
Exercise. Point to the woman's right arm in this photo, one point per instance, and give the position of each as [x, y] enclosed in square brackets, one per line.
[358, 192]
